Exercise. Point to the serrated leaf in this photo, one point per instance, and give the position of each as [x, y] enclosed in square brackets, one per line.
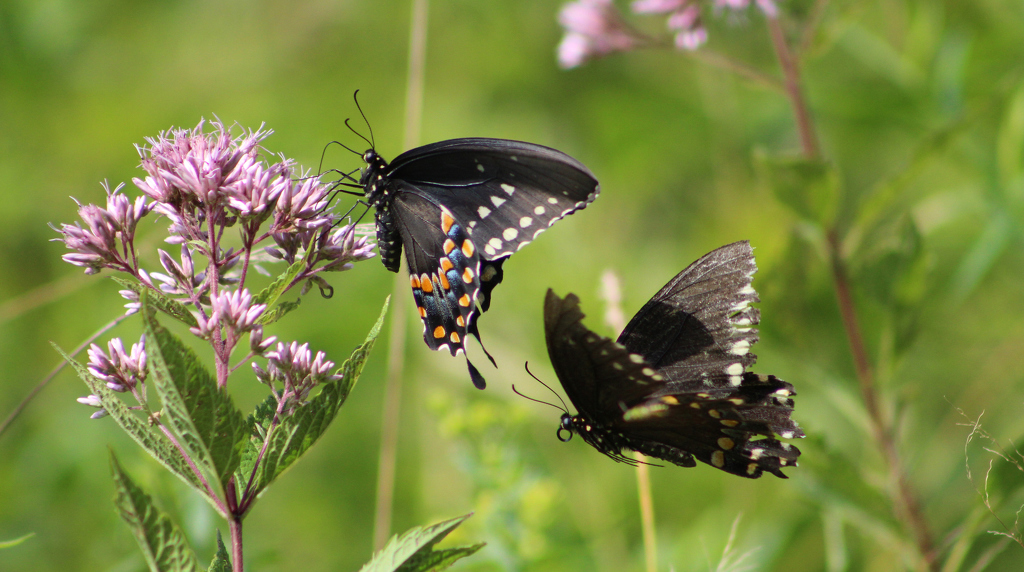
[413, 550]
[15, 541]
[221, 560]
[210, 427]
[163, 545]
[298, 432]
[272, 293]
[438, 559]
[277, 312]
[808, 186]
[154, 442]
[160, 301]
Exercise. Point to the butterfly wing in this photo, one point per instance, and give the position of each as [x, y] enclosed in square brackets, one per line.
[504, 193]
[649, 391]
[444, 267]
[590, 366]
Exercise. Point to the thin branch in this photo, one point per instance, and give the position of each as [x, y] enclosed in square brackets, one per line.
[791, 72]
[53, 373]
[726, 63]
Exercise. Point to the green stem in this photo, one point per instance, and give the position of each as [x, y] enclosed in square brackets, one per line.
[906, 505]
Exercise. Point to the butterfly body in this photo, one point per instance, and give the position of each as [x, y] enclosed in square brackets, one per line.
[675, 386]
[459, 209]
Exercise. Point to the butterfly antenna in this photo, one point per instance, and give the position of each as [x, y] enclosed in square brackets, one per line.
[355, 96]
[340, 144]
[350, 128]
[516, 391]
[564, 406]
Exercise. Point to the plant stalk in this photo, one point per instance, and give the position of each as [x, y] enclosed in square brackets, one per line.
[400, 294]
[906, 505]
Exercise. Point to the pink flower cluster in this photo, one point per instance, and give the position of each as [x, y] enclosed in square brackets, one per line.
[595, 28]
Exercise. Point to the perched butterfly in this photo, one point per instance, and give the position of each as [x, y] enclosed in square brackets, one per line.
[675, 385]
[461, 208]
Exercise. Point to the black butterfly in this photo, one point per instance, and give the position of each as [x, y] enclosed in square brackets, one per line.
[675, 385]
[460, 208]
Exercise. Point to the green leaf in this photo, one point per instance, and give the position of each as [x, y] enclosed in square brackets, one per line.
[413, 551]
[16, 541]
[160, 301]
[154, 442]
[810, 187]
[295, 434]
[983, 255]
[221, 560]
[1010, 143]
[210, 427]
[163, 545]
[272, 293]
[895, 270]
[277, 312]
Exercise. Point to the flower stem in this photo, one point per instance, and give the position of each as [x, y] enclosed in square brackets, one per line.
[906, 505]
[235, 525]
[612, 294]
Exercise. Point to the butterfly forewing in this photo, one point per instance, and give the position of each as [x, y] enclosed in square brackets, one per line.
[505, 193]
[697, 330]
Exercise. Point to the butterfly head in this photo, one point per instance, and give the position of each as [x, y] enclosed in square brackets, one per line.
[565, 425]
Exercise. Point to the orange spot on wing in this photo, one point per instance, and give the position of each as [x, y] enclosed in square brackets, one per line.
[426, 285]
[467, 248]
[439, 332]
[423, 311]
[467, 275]
[446, 222]
[455, 337]
[449, 245]
[464, 301]
[446, 265]
[414, 281]
[444, 281]
[460, 322]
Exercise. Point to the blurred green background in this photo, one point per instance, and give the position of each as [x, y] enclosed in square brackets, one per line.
[919, 104]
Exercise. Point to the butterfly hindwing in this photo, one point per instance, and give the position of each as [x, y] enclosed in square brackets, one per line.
[443, 270]
[675, 385]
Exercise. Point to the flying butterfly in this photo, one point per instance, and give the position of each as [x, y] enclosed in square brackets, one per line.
[460, 208]
[675, 385]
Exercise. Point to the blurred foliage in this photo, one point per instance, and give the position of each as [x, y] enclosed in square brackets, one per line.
[919, 106]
